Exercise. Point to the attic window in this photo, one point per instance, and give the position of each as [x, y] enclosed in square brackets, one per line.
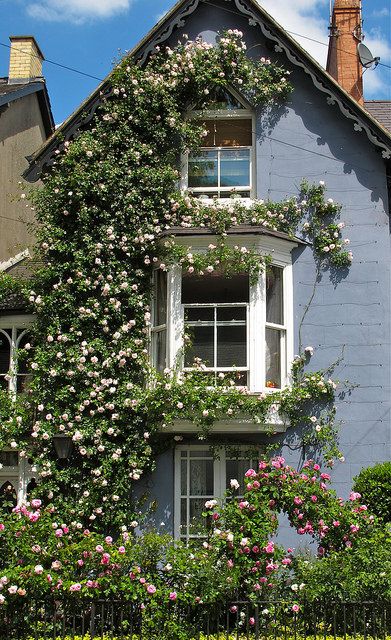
[223, 166]
[219, 98]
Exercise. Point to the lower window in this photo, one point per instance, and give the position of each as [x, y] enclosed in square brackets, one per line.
[200, 477]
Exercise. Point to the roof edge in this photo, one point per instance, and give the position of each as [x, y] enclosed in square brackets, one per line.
[257, 16]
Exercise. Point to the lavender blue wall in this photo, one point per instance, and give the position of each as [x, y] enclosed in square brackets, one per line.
[311, 139]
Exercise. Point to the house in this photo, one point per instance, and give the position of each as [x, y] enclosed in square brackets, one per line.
[254, 329]
[26, 122]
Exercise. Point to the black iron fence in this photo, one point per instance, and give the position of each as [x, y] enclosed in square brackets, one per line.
[261, 620]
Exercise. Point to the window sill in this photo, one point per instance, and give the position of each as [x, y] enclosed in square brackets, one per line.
[223, 202]
[241, 424]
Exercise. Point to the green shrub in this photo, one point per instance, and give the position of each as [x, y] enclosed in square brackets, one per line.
[374, 484]
[362, 574]
[221, 636]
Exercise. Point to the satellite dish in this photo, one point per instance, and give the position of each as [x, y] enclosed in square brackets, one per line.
[366, 58]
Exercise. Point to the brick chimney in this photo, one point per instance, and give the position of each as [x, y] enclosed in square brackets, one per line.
[345, 34]
[25, 60]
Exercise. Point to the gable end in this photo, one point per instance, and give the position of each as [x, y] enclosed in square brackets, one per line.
[176, 18]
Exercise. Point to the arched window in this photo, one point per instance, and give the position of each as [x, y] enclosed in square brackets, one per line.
[14, 335]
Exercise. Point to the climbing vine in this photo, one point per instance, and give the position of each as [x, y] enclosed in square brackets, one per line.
[106, 213]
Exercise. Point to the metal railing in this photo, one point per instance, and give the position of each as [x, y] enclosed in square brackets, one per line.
[261, 620]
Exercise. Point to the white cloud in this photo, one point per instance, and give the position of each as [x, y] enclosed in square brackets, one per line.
[381, 13]
[309, 18]
[306, 17]
[76, 10]
[377, 81]
[161, 15]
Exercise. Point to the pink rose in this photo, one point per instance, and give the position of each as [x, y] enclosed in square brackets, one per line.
[36, 503]
[295, 608]
[269, 548]
[121, 550]
[173, 595]
[250, 473]
[151, 589]
[75, 587]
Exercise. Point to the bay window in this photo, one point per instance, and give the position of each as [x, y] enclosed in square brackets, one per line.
[227, 326]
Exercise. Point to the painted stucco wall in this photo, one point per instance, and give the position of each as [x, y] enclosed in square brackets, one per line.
[21, 133]
[349, 316]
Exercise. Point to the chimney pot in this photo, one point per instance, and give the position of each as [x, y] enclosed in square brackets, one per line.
[25, 60]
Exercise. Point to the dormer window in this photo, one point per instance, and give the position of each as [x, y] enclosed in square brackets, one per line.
[224, 165]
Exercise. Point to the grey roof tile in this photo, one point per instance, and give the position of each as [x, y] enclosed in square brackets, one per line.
[381, 111]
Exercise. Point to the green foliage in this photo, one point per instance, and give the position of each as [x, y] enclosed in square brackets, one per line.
[374, 485]
[359, 574]
[10, 285]
[101, 213]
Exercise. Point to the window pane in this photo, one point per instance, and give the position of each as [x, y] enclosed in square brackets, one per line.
[183, 517]
[160, 316]
[273, 358]
[274, 295]
[197, 506]
[22, 360]
[202, 346]
[235, 168]
[231, 314]
[203, 169]
[219, 98]
[8, 494]
[235, 469]
[228, 133]
[231, 346]
[183, 477]
[159, 338]
[5, 352]
[201, 477]
[215, 288]
[9, 458]
[205, 314]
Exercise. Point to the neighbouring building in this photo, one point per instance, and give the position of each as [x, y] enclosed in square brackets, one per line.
[26, 121]
[326, 132]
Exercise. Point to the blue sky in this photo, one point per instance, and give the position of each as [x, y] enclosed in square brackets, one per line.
[89, 34]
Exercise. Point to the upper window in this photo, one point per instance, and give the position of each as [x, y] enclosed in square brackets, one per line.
[225, 325]
[223, 166]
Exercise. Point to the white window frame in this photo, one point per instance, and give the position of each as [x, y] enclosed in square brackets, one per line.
[219, 481]
[18, 476]
[15, 323]
[280, 249]
[223, 114]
